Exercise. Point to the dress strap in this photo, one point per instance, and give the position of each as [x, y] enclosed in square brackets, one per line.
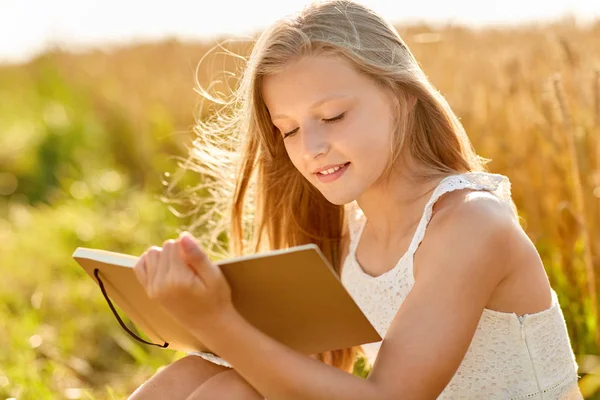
[355, 219]
[494, 183]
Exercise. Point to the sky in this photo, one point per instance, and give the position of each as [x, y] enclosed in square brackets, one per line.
[29, 26]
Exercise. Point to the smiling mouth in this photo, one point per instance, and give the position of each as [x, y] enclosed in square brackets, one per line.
[339, 167]
[333, 176]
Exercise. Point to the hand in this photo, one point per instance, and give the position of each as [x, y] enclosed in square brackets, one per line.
[187, 284]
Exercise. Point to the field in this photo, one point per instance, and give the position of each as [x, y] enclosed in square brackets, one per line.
[89, 141]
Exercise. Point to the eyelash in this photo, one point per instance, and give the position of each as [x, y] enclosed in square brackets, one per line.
[330, 120]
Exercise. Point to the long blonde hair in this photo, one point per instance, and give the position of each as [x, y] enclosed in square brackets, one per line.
[253, 199]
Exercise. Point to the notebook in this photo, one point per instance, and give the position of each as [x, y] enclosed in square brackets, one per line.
[292, 295]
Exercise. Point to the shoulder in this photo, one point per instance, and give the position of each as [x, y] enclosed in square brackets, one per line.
[470, 232]
[473, 209]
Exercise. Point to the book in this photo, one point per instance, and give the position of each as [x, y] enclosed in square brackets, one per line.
[293, 295]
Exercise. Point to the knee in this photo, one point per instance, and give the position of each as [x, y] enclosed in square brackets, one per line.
[177, 380]
[195, 367]
[226, 385]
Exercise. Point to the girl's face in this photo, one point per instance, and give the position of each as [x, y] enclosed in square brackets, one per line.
[331, 116]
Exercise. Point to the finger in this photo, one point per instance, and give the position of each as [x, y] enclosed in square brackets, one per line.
[183, 274]
[180, 248]
[196, 258]
[152, 260]
[166, 266]
[140, 270]
[172, 252]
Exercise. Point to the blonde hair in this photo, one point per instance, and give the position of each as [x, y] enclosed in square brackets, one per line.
[253, 199]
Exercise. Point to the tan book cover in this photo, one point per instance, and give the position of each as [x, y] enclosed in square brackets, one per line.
[292, 295]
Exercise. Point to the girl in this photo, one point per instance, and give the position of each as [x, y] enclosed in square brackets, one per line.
[349, 146]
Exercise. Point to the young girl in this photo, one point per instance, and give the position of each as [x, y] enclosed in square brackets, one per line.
[349, 146]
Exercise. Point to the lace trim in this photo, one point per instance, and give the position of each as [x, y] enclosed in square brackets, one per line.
[528, 318]
[211, 357]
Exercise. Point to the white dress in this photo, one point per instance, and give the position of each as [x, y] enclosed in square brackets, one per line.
[510, 356]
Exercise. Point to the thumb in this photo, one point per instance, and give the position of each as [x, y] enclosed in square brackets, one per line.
[192, 253]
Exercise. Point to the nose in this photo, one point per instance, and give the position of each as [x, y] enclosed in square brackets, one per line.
[314, 142]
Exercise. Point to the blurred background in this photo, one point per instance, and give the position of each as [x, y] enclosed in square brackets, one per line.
[97, 105]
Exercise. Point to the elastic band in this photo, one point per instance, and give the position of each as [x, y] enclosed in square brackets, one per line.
[136, 337]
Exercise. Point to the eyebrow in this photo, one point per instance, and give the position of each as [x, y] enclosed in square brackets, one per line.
[317, 104]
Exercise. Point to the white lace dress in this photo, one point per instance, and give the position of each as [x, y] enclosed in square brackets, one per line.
[510, 356]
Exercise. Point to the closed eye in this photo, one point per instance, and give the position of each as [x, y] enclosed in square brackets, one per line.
[327, 120]
[290, 133]
[341, 116]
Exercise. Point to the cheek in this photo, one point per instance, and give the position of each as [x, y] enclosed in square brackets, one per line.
[295, 157]
[370, 139]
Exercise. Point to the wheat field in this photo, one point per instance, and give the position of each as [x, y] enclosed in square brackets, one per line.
[89, 140]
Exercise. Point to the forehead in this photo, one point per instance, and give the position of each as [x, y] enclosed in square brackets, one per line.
[309, 80]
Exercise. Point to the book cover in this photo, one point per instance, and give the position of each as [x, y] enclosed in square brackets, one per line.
[292, 295]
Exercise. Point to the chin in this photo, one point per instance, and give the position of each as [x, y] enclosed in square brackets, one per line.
[339, 199]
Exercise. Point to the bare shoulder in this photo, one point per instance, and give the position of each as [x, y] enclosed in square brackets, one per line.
[474, 228]
[482, 235]
[474, 205]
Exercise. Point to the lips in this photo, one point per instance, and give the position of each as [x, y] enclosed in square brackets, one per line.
[332, 176]
[333, 166]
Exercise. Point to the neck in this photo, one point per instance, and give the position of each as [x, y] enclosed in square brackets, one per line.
[394, 206]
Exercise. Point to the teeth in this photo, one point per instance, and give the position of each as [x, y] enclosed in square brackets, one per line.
[331, 170]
